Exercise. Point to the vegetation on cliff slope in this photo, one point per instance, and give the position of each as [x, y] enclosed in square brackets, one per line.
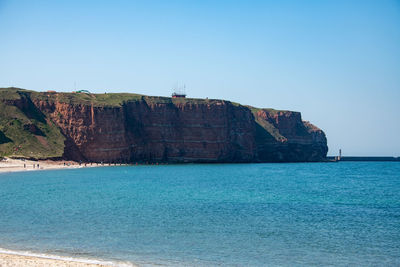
[265, 131]
[25, 131]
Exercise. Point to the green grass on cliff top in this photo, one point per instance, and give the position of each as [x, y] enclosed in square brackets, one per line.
[269, 110]
[111, 99]
[102, 100]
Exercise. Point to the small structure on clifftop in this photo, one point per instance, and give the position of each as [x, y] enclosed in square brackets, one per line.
[176, 95]
[179, 92]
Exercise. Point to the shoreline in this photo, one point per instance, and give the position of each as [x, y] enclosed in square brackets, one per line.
[33, 259]
[12, 258]
[9, 165]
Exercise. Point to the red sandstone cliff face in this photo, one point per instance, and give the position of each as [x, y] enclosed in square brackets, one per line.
[145, 130]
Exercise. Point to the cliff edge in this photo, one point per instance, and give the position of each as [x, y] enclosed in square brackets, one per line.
[138, 128]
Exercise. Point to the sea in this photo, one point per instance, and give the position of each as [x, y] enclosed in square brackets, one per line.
[285, 214]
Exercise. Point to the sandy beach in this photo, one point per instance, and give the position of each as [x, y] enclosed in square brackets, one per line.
[15, 165]
[11, 260]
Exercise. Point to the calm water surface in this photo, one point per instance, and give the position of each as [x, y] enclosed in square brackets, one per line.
[345, 213]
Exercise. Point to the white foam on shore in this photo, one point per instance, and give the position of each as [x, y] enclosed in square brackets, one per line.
[65, 258]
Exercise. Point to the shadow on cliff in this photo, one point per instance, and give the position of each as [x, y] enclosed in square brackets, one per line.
[4, 139]
[29, 109]
[263, 136]
[71, 150]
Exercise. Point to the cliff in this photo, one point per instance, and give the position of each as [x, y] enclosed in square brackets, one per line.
[138, 128]
[282, 136]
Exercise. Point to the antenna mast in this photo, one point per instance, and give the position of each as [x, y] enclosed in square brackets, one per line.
[179, 91]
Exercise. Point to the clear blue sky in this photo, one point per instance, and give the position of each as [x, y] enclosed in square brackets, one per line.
[338, 62]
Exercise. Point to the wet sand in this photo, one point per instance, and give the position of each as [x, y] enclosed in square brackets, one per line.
[14, 260]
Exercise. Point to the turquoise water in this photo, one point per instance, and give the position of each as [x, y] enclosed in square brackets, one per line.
[345, 213]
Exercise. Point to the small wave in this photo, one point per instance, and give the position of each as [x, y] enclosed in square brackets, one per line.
[65, 258]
